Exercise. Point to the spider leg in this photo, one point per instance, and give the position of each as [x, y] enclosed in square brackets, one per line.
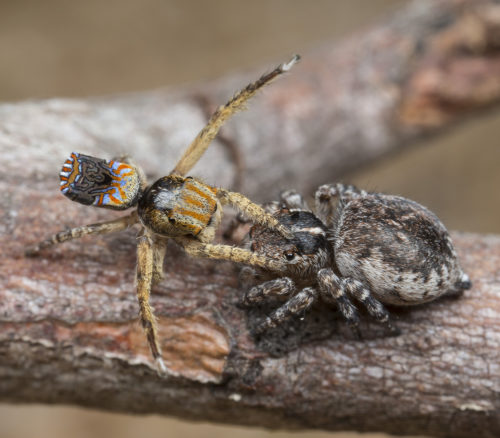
[159, 251]
[327, 197]
[280, 287]
[332, 290]
[78, 232]
[293, 200]
[200, 144]
[144, 279]
[335, 289]
[196, 248]
[271, 207]
[297, 304]
[253, 211]
[374, 307]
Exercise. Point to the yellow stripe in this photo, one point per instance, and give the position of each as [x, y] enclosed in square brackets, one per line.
[193, 201]
[201, 217]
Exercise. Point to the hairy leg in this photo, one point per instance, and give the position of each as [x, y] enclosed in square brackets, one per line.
[297, 304]
[255, 212]
[144, 278]
[332, 290]
[338, 290]
[78, 232]
[327, 197]
[280, 287]
[159, 251]
[200, 144]
[196, 248]
[293, 200]
[374, 307]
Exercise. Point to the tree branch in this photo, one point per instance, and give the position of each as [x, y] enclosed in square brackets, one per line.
[68, 330]
[414, 75]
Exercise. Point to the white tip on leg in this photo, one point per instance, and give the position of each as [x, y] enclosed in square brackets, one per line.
[287, 66]
[465, 280]
[160, 366]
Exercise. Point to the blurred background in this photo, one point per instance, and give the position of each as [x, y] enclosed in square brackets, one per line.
[79, 49]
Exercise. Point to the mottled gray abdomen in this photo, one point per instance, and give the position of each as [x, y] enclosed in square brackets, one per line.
[397, 248]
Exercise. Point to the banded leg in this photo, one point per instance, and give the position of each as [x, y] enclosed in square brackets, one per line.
[227, 252]
[374, 307]
[332, 290]
[200, 144]
[144, 278]
[271, 207]
[327, 197]
[253, 211]
[297, 304]
[280, 287]
[78, 232]
[337, 290]
[293, 200]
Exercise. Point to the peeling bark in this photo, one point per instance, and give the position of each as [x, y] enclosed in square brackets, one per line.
[68, 319]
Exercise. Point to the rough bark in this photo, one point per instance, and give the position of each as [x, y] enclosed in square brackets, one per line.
[428, 66]
[68, 330]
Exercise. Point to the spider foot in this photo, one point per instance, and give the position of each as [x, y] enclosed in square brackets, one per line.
[161, 368]
[393, 329]
[32, 251]
[358, 335]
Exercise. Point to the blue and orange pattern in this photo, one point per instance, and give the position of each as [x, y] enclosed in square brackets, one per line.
[103, 183]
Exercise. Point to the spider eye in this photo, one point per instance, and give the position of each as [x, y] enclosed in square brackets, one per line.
[289, 256]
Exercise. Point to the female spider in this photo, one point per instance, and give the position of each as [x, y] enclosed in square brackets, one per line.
[178, 207]
[371, 247]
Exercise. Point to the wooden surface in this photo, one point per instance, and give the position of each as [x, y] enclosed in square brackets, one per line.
[68, 330]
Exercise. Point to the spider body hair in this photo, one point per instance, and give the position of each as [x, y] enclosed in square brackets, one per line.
[370, 248]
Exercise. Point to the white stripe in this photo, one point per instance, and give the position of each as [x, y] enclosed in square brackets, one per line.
[315, 230]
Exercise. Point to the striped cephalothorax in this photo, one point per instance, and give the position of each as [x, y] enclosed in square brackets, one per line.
[175, 206]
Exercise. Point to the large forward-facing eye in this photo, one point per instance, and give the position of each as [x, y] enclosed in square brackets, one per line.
[103, 183]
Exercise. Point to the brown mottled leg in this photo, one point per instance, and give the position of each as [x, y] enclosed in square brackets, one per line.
[337, 290]
[332, 290]
[327, 197]
[293, 200]
[295, 305]
[144, 278]
[279, 287]
[78, 232]
[159, 251]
